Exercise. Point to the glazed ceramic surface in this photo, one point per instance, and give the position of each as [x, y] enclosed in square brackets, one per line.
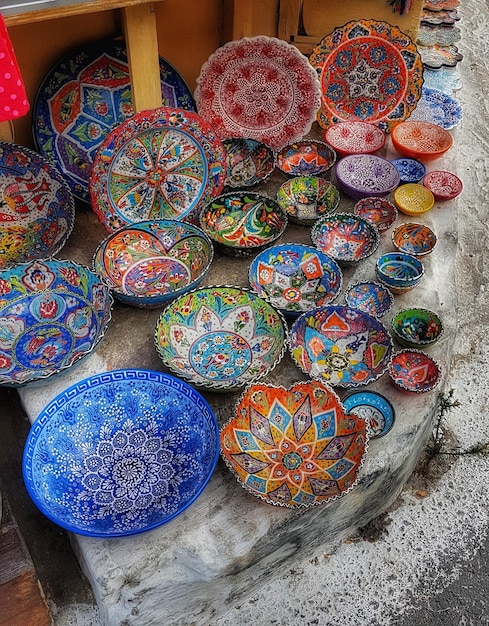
[294, 447]
[438, 18]
[52, 314]
[221, 338]
[369, 297]
[340, 345]
[120, 453]
[306, 158]
[363, 175]
[307, 198]
[421, 140]
[415, 371]
[441, 5]
[410, 170]
[413, 199]
[429, 35]
[295, 278]
[354, 137]
[417, 327]
[260, 88]
[248, 162]
[399, 271]
[380, 212]
[414, 239]
[345, 237]
[158, 164]
[439, 108]
[150, 263]
[37, 210]
[443, 185]
[374, 408]
[82, 98]
[369, 71]
[437, 56]
[446, 79]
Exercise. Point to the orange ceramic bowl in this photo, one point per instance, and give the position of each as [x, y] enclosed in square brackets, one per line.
[421, 140]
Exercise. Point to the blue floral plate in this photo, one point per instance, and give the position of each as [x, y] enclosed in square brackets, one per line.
[120, 452]
[439, 108]
[374, 408]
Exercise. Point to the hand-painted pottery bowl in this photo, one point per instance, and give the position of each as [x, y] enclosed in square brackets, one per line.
[295, 278]
[363, 175]
[221, 338]
[37, 210]
[120, 453]
[417, 328]
[243, 223]
[150, 263]
[294, 447]
[370, 297]
[340, 345]
[413, 199]
[423, 141]
[345, 237]
[248, 161]
[308, 198]
[398, 271]
[414, 239]
[354, 137]
[374, 408]
[53, 313]
[306, 158]
[379, 211]
[410, 170]
[443, 185]
[415, 371]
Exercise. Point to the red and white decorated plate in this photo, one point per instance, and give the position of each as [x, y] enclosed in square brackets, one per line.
[260, 88]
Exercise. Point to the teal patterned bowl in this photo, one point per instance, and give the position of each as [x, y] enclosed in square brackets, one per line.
[417, 328]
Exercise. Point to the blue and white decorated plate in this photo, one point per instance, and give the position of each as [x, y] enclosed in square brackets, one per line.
[120, 453]
[437, 107]
[374, 408]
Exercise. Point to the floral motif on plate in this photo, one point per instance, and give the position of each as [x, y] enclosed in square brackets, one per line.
[438, 108]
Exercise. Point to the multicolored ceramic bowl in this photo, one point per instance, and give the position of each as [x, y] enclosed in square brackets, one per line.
[308, 198]
[379, 211]
[374, 408]
[306, 158]
[417, 327]
[414, 371]
[398, 271]
[414, 239]
[248, 162]
[370, 297]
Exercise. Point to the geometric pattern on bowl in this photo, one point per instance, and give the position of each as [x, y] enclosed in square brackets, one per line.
[220, 337]
[374, 408]
[410, 170]
[379, 211]
[158, 164]
[294, 447]
[345, 237]
[363, 175]
[149, 263]
[414, 239]
[370, 297]
[242, 223]
[399, 271]
[415, 371]
[417, 327]
[354, 137]
[120, 453]
[423, 141]
[443, 185]
[413, 199]
[307, 198]
[308, 157]
[52, 314]
[295, 278]
[340, 345]
[37, 210]
[249, 162]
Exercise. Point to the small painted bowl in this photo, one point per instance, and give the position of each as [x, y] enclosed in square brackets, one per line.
[149, 263]
[420, 140]
[220, 338]
[306, 158]
[364, 175]
[410, 170]
[345, 237]
[248, 162]
[417, 328]
[370, 297]
[295, 278]
[443, 185]
[379, 211]
[243, 223]
[354, 137]
[414, 239]
[374, 408]
[413, 199]
[414, 371]
[398, 271]
[308, 198]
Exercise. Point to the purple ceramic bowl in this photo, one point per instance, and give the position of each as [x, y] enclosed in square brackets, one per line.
[363, 175]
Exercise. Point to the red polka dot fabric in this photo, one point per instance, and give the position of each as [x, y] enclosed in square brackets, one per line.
[13, 99]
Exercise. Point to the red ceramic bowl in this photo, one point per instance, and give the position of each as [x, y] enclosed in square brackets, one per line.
[420, 140]
[354, 137]
[414, 371]
[443, 185]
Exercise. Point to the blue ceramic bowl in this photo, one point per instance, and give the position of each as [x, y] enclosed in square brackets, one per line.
[370, 297]
[374, 408]
[400, 272]
[120, 453]
[410, 170]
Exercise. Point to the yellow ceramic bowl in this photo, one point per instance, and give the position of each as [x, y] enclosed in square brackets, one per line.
[413, 199]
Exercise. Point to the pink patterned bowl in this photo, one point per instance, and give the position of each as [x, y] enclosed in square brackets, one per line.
[443, 185]
[354, 137]
[420, 140]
